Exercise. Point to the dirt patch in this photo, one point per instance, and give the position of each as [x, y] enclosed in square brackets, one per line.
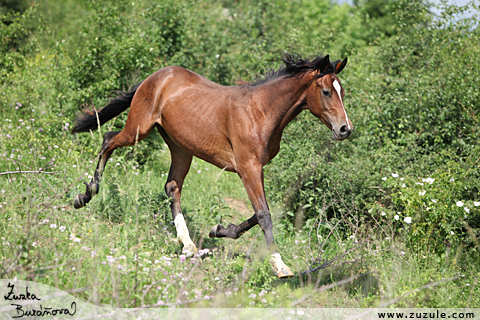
[240, 207]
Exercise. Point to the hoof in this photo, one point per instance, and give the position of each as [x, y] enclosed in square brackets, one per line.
[189, 250]
[285, 273]
[78, 201]
[213, 232]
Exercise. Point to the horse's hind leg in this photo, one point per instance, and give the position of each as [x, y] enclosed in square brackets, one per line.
[93, 186]
[233, 231]
[135, 131]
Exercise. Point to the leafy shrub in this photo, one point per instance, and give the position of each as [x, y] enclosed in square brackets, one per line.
[15, 40]
[442, 214]
[406, 120]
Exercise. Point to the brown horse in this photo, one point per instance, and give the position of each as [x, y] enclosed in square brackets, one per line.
[236, 128]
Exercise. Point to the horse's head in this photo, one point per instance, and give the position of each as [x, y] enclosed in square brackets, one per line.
[325, 98]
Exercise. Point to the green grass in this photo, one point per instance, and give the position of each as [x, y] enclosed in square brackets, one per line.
[122, 247]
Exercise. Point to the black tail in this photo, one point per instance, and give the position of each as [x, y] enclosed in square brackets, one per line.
[88, 119]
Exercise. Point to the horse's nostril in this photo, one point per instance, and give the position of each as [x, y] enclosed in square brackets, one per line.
[343, 130]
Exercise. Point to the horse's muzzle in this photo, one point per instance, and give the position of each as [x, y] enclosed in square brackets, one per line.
[342, 133]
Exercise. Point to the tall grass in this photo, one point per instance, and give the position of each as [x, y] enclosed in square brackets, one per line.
[122, 247]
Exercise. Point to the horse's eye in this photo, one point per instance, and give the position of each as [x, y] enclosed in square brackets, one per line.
[326, 93]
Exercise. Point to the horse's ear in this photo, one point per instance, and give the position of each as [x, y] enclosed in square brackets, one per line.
[340, 65]
[323, 64]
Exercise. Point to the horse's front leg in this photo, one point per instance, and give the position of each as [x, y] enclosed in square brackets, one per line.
[251, 174]
[179, 168]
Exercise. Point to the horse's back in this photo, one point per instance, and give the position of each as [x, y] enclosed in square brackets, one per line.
[179, 78]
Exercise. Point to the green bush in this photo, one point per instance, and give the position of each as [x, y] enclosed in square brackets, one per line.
[442, 215]
[15, 29]
[408, 119]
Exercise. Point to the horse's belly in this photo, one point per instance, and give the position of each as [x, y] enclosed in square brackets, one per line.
[203, 143]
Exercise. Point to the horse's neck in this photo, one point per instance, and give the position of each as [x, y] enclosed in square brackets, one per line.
[285, 99]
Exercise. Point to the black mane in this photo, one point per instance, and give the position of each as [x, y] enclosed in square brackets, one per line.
[296, 66]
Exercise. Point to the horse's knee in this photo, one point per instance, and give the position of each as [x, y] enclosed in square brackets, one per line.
[171, 188]
[265, 219]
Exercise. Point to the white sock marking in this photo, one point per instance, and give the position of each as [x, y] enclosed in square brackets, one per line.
[337, 87]
[277, 262]
[182, 230]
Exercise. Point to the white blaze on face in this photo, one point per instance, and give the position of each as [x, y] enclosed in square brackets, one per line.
[337, 87]
[182, 231]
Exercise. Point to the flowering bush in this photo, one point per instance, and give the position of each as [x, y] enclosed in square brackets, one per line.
[437, 212]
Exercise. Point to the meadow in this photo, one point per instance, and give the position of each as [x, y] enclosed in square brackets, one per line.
[387, 218]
